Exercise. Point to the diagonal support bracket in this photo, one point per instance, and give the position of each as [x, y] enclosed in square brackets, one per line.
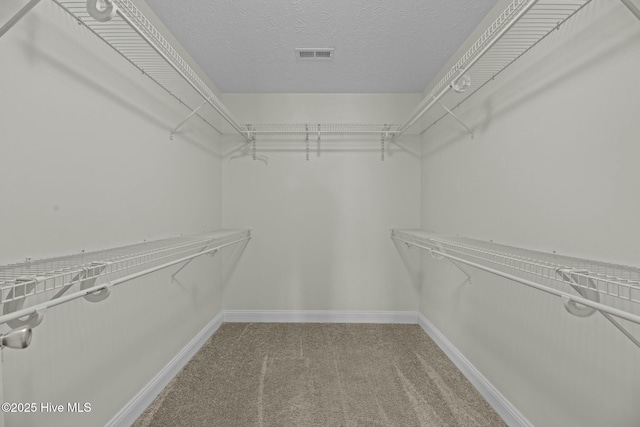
[457, 119]
[439, 257]
[632, 7]
[459, 266]
[436, 253]
[18, 16]
[588, 291]
[193, 113]
[394, 140]
[204, 248]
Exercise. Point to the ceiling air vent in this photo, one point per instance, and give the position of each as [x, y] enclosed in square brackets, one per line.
[325, 53]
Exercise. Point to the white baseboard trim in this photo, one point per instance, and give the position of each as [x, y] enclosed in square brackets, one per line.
[500, 404]
[136, 406]
[320, 316]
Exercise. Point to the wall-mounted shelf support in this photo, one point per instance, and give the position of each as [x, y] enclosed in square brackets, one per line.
[249, 149]
[621, 328]
[204, 248]
[457, 119]
[463, 270]
[17, 338]
[193, 113]
[252, 139]
[18, 16]
[632, 7]
[26, 285]
[572, 276]
[523, 266]
[587, 289]
[384, 137]
[306, 141]
[436, 254]
[87, 283]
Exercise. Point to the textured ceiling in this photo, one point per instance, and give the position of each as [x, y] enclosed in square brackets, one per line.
[381, 46]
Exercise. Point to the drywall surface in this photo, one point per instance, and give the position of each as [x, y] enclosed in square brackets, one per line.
[87, 164]
[553, 167]
[321, 227]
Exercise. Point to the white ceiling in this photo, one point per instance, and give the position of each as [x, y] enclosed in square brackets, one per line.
[381, 46]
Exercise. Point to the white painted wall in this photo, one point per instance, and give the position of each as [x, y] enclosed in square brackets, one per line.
[553, 167]
[321, 228]
[86, 163]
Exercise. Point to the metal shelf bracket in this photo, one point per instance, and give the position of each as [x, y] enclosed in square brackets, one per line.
[173, 276]
[99, 295]
[34, 319]
[437, 256]
[252, 140]
[249, 149]
[579, 310]
[18, 16]
[632, 7]
[572, 307]
[383, 141]
[306, 141]
[193, 113]
[459, 267]
[17, 338]
[457, 119]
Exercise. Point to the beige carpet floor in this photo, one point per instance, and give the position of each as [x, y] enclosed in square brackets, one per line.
[289, 374]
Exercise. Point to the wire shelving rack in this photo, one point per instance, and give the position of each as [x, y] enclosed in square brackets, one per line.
[94, 273]
[133, 36]
[585, 286]
[522, 25]
[322, 128]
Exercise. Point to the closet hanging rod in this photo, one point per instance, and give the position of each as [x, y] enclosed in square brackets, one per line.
[42, 307]
[322, 128]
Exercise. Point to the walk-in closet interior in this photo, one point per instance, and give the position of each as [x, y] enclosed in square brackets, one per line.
[319, 213]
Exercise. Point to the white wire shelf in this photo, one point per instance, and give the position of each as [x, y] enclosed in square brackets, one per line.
[31, 278]
[612, 280]
[133, 36]
[585, 286]
[321, 128]
[522, 25]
